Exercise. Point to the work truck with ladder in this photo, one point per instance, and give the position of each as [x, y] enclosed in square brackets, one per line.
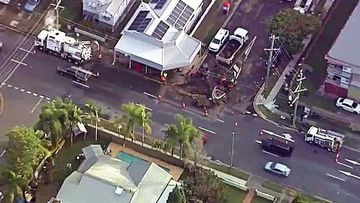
[328, 139]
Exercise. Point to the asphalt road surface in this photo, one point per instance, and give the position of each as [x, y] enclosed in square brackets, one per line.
[315, 172]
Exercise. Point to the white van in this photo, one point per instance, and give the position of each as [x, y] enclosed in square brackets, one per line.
[5, 1]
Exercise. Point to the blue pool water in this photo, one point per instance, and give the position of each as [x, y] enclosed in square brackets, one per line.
[133, 159]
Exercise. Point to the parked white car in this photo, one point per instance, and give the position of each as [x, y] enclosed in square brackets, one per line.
[220, 38]
[348, 105]
[277, 168]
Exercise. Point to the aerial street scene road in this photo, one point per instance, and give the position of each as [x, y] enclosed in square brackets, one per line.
[179, 101]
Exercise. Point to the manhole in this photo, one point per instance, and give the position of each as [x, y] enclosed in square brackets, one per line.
[14, 23]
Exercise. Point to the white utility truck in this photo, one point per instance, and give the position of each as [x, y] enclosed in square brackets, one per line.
[56, 42]
[328, 139]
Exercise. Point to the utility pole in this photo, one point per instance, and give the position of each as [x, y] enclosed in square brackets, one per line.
[232, 147]
[297, 91]
[58, 2]
[270, 59]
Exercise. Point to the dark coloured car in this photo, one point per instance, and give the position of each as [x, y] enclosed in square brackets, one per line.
[277, 147]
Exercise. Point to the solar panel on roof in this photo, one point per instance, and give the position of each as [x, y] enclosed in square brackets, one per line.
[160, 4]
[139, 20]
[180, 15]
[160, 30]
[143, 25]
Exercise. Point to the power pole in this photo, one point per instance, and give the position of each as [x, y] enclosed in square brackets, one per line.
[270, 59]
[297, 91]
[58, 2]
[232, 147]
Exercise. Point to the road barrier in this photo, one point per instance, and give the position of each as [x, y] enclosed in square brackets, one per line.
[265, 195]
[86, 33]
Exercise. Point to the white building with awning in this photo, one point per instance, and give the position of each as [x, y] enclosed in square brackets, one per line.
[156, 35]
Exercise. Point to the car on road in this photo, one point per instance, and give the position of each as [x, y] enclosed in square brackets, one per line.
[277, 147]
[277, 168]
[219, 40]
[348, 105]
[1, 196]
[31, 5]
[76, 73]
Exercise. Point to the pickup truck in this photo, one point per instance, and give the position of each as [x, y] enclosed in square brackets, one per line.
[237, 40]
[76, 73]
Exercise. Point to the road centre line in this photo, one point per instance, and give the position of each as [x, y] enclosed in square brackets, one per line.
[258, 141]
[147, 108]
[81, 84]
[266, 152]
[150, 95]
[16, 88]
[335, 177]
[28, 92]
[19, 62]
[2, 154]
[22, 90]
[207, 130]
[338, 162]
[221, 121]
[36, 105]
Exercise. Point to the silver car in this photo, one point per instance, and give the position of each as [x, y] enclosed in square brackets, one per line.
[277, 168]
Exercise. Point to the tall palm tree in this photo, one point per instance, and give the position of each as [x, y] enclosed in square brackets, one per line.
[118, 124]
[183, 131]
[74, 116]
[93, 112]
[130, 119]
[53, 120]
[144, 121]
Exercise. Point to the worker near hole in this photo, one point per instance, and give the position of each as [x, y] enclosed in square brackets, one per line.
[226, 7]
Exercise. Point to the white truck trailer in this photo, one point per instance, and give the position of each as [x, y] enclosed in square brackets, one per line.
[56, 42]
[328, 139]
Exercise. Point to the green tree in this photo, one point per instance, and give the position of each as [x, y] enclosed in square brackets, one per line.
[176, 196]
[144, 121]
[129, 118]
[92, 112]
[74, 116]
[17, 186]
[182, 132]
[53, 120]
[118, 124]
[203, 185]
[292, 28]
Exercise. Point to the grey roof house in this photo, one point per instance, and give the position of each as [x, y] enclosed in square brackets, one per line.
[106, 13]
[102, 178]
[156, 35]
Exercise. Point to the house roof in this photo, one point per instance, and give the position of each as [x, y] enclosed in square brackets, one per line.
[345, 49]
[101, 178]
[175, 53]
[158, 33]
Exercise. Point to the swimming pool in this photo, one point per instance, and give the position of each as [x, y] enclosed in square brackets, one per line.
[128, 158]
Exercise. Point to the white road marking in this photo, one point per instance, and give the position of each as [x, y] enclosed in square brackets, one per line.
[81, 84]
[22, 90]
[28, 92]
[41, 96]
[335, 177]
[266, 152]
[36, 105]
[16, 88]
[9, 86]
[28, 51]
[19, 62]
[62, 7]
[35, 94]
[207, 130]
[150, 95]
[248, 112]
[147, 108]
[2, 153]
[48, 98]
[254, 114]
[340, 163]
[353, 162]
[221, 121]
[285, 137]
[258, 141]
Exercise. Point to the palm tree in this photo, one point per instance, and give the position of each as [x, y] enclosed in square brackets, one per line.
[74, 116]
[16, 187]
[93, 112]
[53, 120]
[118, 124]
[144, 121]
[182, 132]
[130, 119]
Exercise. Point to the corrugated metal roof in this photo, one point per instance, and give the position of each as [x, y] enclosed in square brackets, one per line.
[346, 48]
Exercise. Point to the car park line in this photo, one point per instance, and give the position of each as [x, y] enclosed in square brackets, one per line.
[2, 153]
[150, 95]
[36, 105]
[81, 84]
[335, 177]
[269, 153]
[340, 163]
[28, 51]
[207, 130]
[19, 62]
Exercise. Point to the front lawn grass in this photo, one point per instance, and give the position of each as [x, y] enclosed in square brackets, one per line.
[72, 9]
[233, 194]
[272, 186]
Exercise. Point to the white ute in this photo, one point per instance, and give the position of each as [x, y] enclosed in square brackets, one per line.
[56, 42]
[219, 40]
